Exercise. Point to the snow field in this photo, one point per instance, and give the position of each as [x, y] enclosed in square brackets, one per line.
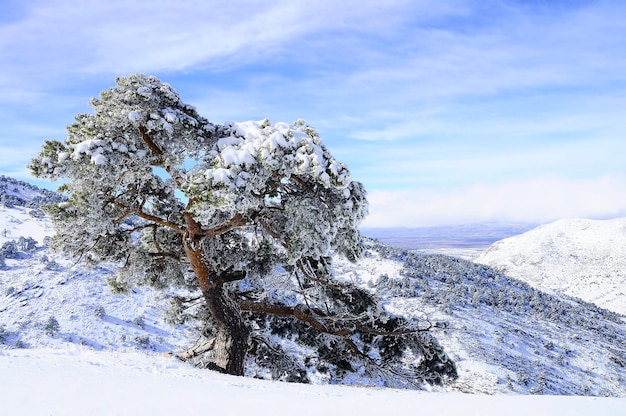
[81, 381]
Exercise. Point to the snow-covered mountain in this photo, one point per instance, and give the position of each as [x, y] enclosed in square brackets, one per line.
[17, 193]
[504, 335]
[578, 257]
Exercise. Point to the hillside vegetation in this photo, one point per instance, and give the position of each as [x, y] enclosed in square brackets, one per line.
[504, 335]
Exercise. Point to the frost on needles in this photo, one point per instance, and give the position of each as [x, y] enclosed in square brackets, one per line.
[245, 217]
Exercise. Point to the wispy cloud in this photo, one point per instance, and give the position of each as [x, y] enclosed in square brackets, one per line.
[428, 97]
[166, 35]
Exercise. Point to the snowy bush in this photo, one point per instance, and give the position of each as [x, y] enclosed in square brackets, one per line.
[143, 341]
[52, 326]
[9, 201]
[26, 244]
[99, 312]
[36, 213]
[9, 250]
[50, 264]
[139, 321]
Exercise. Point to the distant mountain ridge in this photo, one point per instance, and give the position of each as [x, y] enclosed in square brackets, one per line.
[579, 257]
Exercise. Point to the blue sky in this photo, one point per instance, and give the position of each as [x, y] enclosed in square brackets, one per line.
[449, 111]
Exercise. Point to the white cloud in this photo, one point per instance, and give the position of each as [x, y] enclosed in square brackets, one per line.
[532, 200]
[413, 94]
[168, 35]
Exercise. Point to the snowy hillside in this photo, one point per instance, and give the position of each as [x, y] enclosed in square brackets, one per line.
[578, 257]
[48, 301]
[17, 193]
[505, 336]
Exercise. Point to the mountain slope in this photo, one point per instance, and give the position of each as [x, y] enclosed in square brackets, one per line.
[504, 335]
[578, 257]
[39, 287]
[18, 193]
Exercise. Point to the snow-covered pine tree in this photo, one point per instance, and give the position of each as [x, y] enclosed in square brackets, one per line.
[247, 214]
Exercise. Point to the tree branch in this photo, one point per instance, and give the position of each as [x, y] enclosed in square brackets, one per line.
[257, 307]
[267, 228]
[232, 276]
[302, 182]
[174, 174]
[165, 254]
[234, 222]
[146, 216]
[300, 312]
[197, 349]
[318, 320]
[148, 141]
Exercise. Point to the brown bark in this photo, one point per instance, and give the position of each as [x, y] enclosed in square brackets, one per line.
[197, 350]
[231, 340]
[144, 135]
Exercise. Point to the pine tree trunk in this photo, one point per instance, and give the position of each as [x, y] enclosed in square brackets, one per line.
[231, 342]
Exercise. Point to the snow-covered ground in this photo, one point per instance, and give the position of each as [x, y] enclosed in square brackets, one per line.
[505, 336]
[81, 381]
[106, 355]
[579, 257]
[39, 285]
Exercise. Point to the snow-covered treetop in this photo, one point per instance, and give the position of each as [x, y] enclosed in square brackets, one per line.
[133, 154]
[260, 166]
[138, 106]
